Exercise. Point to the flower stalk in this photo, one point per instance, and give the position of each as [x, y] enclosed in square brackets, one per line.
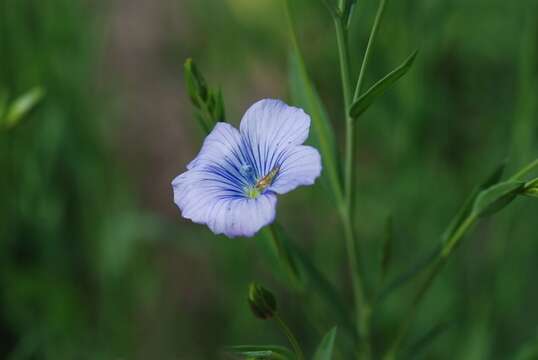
[289, 335]
[362, 309]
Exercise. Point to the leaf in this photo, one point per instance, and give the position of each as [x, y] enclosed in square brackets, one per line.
[462, 214]
[22, 106]
[196, 84]
[348, 11]
[325, 348]
[260, 352]
[531, 188]
[305, 95]
[467, 207]
[368, 98]
[495, 198]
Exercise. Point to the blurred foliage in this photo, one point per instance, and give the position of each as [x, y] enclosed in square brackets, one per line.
[79, 277]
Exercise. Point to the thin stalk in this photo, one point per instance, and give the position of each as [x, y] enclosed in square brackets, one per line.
[341, 5]
[527, 169]
[291, 338]
[368, 52]
[362, 310]
[343, 54]
[432, 275]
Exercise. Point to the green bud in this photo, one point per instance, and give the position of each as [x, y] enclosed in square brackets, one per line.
[196, 85]
[531, 188]
[261, 301]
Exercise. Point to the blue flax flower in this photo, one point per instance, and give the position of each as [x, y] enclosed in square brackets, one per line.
[231, 185]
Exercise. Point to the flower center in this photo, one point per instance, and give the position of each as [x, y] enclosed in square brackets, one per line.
[261, 184]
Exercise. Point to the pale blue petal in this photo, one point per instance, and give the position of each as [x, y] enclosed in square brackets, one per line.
[212, 191]
[299, 165]
[268, 128]
[204, 200]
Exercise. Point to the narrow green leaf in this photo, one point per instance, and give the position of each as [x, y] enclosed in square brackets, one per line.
[467, 207]
[208, 101]
[495, 198]
[368, 98]
[275, 352]
[348, 11]
[196, 84]
[325, 348]
[462, 214]
[531, 188]
[305, 95]
[21, 106]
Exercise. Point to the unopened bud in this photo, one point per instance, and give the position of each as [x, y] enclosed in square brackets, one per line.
[261, 301]
[196, 85]
[531, 188]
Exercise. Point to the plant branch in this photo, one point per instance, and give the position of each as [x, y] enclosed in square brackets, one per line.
[525, 170]
[362, 310]
[368, 52]
[446, 250]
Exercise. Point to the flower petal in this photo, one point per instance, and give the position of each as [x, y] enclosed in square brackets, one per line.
[221, 146]
[300, 165]
[204, 200]
[268, 127]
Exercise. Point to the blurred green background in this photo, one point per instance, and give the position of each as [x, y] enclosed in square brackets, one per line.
[95, 261]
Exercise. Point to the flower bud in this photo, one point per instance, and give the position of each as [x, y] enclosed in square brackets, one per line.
[531, 188]
[196, 85]
[261, 301]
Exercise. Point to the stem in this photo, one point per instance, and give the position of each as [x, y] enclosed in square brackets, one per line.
[343, 53]
[436, 268]
[527, 169]
[368, 52]
[291, 338]
[362, 310]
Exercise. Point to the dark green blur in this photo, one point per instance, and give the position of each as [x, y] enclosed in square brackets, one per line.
[93, 267]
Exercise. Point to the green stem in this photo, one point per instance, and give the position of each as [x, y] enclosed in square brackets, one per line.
[368, 52]
[527, 169]
[435, 269]
[291, 338]
[362, 310]
[341, 38]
